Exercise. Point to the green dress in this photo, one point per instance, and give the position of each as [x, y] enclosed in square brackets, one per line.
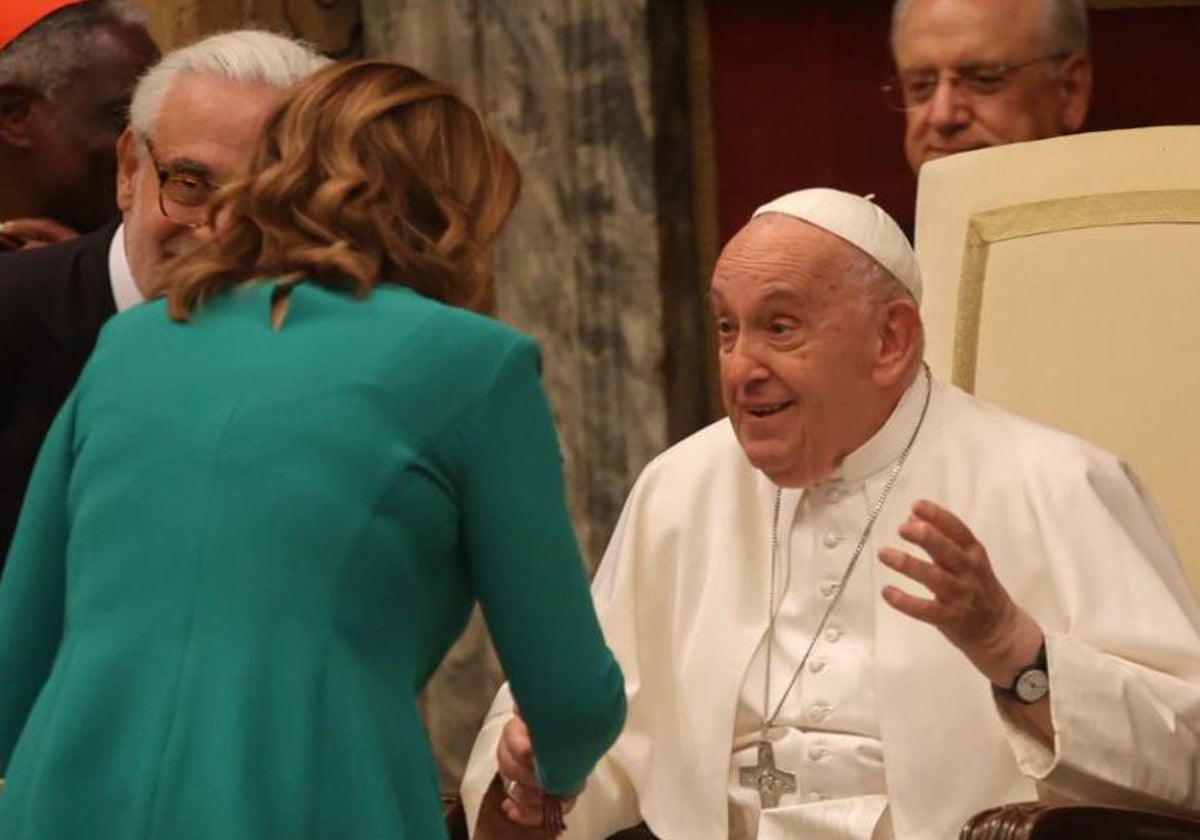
[243, 552]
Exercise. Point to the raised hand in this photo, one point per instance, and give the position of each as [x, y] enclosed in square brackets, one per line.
[969, 605]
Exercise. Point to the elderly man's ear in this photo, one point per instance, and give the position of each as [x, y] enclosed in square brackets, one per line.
[901, 342]
[127, 167]
[1076, 92]
[20, 116]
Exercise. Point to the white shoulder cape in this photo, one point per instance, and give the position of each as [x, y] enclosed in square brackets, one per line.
[682, 591]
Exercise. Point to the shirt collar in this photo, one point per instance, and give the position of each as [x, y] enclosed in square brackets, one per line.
[885, 446]
[125, 290]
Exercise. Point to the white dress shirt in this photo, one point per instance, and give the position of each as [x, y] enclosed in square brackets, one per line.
[125, 291]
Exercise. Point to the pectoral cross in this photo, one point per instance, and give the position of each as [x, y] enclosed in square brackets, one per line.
[770, 781]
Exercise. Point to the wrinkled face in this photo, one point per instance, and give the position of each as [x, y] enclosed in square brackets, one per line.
[82, 124]
[798, 339]
[207, 128]
[1042, 99]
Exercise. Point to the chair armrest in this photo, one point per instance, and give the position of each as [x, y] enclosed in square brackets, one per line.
[1042, 821]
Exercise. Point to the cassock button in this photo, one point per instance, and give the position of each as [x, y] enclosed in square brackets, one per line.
[816, 666]
[816, 753]
[832, 540]
[833, 634]
[819, 711]
[828, 588]
[834, 494]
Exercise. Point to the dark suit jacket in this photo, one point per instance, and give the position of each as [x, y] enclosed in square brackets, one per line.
[53, 301]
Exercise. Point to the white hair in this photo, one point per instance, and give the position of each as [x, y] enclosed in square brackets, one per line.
[45, 56]
[1064, 24]
[875, 282]
[243, 56]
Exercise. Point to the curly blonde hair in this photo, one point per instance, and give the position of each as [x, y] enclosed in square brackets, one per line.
[367, 172]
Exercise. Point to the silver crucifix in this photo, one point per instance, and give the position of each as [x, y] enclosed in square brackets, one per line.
[770, 781]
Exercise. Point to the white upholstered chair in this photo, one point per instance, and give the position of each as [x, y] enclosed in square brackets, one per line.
[1062, 281]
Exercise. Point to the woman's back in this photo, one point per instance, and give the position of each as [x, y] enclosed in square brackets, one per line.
[336, 437]
[270, 539]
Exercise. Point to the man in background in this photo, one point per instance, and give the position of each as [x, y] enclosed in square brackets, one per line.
[194, 120]
[977, 73]
[67, 70]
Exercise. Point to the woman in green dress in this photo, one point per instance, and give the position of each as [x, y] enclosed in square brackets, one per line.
[270, 503]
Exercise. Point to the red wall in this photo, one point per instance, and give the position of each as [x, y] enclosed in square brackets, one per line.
[796, 102]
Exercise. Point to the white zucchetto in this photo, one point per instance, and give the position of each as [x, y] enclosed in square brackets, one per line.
[860, 222]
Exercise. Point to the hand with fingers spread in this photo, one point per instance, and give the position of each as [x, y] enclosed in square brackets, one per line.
[523, 794]
[969, 605]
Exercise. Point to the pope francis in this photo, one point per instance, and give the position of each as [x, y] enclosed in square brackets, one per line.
[867, 604]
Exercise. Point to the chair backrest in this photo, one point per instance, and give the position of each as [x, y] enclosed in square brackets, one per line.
[1062, 281]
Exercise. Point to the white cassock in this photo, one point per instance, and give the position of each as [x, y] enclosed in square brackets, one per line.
[682, 596]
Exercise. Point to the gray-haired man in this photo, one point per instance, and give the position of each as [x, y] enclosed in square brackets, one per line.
[979, 73]
[193, 122]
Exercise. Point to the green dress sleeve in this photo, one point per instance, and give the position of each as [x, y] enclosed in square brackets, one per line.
[32, 589]
[528, 574]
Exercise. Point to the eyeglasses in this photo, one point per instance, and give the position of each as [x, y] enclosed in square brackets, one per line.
[910, 89]
[183, 195]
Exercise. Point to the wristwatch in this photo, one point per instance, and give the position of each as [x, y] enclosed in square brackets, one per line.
[1032, 682]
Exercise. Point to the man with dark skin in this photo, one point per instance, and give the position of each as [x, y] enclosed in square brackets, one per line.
[67, 70]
